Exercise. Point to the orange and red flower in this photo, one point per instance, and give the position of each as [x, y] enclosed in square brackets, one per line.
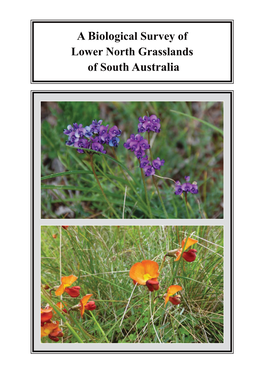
[48, 328]
[90, 306]
[172, 290]
[74, 291]
[51, 330]
[145, 273]
[65, 227]
[83, 302]
[65, 283]
[189, 255]
[56, 333]
[46, 314]
[54, 236]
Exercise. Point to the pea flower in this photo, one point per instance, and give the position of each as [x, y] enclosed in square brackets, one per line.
[83, 302]
[145, 273]
[46, 313]
[48, 328]
[90, 306]
[92, 137]
[51, 330]
[60, 305]
[190, 255]
[65, 227]
[147, 124]
[186, 187]
[170, 291]
[66, 282]
[56, 333]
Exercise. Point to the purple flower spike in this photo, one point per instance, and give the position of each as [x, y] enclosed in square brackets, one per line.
[186, 187]
[144, 162]
[148, 124]
[149, 170]
[157, 163]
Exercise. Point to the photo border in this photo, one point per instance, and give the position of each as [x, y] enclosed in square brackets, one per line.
[33, 81]
[231, 185]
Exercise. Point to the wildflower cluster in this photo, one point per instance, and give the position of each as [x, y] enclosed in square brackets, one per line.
[50, 328]
[147, 124]
[139, 145]
[147, 272]
[186, 187]
[92, 137]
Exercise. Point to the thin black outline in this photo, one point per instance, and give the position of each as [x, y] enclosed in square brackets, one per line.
[33, 81]
[231, 350]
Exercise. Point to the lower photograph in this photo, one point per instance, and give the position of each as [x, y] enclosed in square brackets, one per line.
[133, 286]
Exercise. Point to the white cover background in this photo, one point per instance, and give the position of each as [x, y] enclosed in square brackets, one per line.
[15, 184]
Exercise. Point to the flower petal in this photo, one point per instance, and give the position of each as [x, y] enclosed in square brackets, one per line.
[190, 242]
[172, 290]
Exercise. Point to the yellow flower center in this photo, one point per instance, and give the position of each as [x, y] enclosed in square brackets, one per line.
[147, 277]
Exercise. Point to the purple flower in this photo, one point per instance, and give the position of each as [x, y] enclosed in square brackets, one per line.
[157, 163]
[134, 145]
[104, 139]
[139, 153]
[68, 130]
[144, 144]
[98, 147]
[127, 144]
[194, 188]
[82, 143]
[114, 131]
[103, 130]
[95, 126]
[149, 170]
[148, 124]
[114, 141]
[144, 161]
[178, 188]
[186, 187]
[88, 131]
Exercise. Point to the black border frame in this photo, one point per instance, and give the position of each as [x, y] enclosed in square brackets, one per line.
[231, 350]
[231, 80]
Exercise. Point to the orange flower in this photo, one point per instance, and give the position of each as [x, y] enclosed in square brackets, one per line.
[46, 314]
[190, 242]
[172, 290]
[54, 236]
[83, 302]
[56, 333]
[65, 227]
[60, 305]
[48, 328]
[74, 291]
[65, 282]
[145, 273]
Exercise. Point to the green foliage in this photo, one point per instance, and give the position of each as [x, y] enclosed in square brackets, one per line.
[190, 142]
[101, 258]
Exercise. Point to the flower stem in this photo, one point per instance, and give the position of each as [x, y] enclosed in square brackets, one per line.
[157, 189]
[98, 182]
[146, 193]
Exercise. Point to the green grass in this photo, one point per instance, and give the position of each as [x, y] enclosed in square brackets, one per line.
[101, 258]
[190, 142]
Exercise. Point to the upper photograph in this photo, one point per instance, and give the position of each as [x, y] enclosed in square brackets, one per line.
[131, 160]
